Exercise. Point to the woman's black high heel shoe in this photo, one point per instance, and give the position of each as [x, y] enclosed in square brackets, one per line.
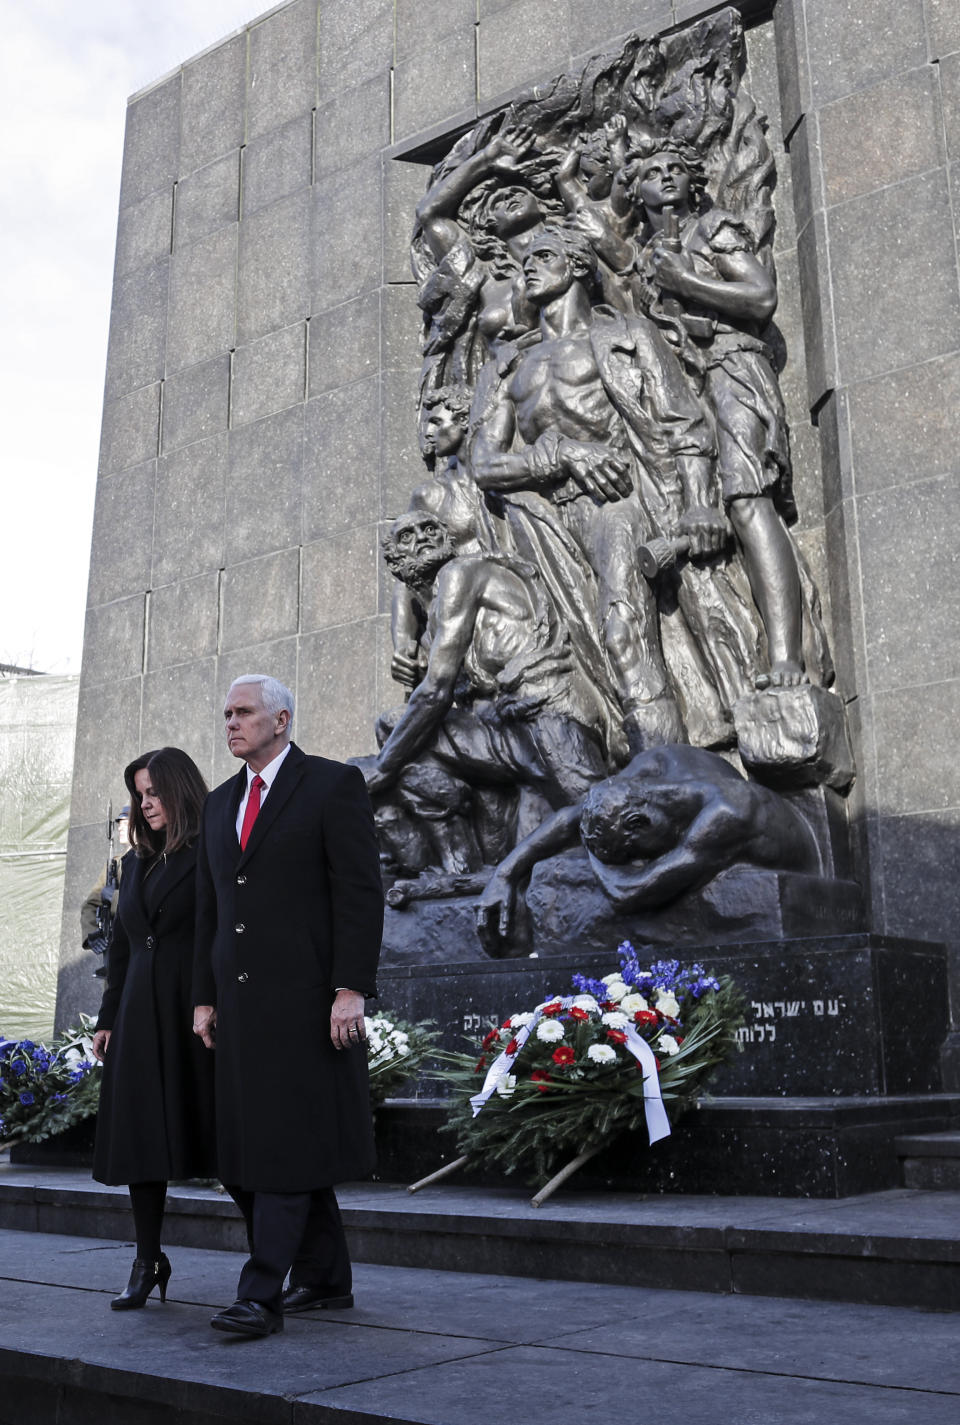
[143, 1278]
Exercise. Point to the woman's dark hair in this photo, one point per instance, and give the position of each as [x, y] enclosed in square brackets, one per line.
[176, 779]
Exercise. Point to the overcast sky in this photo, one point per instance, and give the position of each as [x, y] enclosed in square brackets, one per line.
[66, 70]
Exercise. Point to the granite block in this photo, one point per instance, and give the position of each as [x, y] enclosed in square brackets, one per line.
[213, 94]
[943, 27]
[420, 22]
[843, 569]
[852, 44]
[108, 735]
[207, 200]
[402, 322]
[435, 81]
[402, 462]
[346, 235]
[122, 535]
[261, 600]
[337, 690]
[816, 296]
[762, 80]
[177, 703]
[131, 429]
[404, 184]
[903, 425]
[273, 267]
[806, 173]
[340, 579]
[183, 621]
[341, 485]
[917, 766]
[268, 375]
[263, 487]
[277, 164]
[144, 231]
[201, 318]
[356, 41]
[113, 640]
[282, 67]
[594, 23]
[151, 145]
[904, 234]
[793, 67]
[880, 135]
[921, 891]
[135, 353]
[949, 70]
[190, 480]
[789, 347]
[519, 44]
[910, 582]
[344, 343]
[195, 403]
[836, 457]
[351, 127]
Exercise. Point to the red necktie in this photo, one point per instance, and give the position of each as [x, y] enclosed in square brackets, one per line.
[251, 811]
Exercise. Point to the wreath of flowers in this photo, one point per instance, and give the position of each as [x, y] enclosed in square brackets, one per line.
[395, 1051]
[44, 1090]
[579, 1070]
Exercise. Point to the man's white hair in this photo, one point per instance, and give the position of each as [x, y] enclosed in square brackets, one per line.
[275, 694]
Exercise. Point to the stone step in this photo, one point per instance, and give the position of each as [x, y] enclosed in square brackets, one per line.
[930, 1160]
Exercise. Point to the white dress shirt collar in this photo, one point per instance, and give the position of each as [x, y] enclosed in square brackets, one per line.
[267, 775]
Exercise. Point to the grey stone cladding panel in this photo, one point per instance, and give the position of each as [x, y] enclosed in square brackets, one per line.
[603, 21]
[113, 640]
[135, 354]
[918, 858]
[277, 164]
[341, 484]
[881, 135]
[943, 27]
[404, 184]
[816, 296]
[195, 403]
[202, 316]
[353, 126]
[182, 621]
[130, 432]
[518, 44]
[891, 253]
[108, 737]
[337, 702]
[122, 535]
[904, 425]
[402, 462]
[402, 323]
[269, 374]
[151, 148]
[261, 600]
[356, 41]
[846, 597]
[273, 267]
[345, 343]
[207, 200]
[950, 96]
[416, 20]
[177, 705]
[852, 44]
[916, 733]
[264, 486]
[436, 81]
[282, 70]
[345, 240]
[188, 481]
[340, 576]
[213, 96]
[144, 231]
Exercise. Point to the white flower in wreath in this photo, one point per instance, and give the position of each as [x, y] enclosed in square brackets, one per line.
[549, 1031]
[616, 988]
[668, 1004]
[586, 1002]
[403, 1049]
[613, 1019]
[520, 1021]
[667, 1044]
[633, 1004]
[601, 1054]
[506, 1085]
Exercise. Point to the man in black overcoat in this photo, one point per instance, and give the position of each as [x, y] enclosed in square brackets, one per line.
[289, 921]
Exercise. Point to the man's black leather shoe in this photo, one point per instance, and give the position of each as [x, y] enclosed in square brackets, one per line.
[301, 1298]
[248, 1318]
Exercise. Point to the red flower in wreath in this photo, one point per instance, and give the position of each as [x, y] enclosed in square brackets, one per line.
[554, 1007]
[541, 1078]
[578, 1013]
[490, 1039]
[512, 1047]
[505, 1024]
[617, 1035]
[646, 1018]
[481, 1063]
[562, 1055]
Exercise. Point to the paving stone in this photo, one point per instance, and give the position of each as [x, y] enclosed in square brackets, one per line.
[274, 265]
[135, 353]
[892, 253]
[113, 640]
[187, 480]
[263, 487]
[346, 235]
[202, 314]
[340, 579]
[345, 343]
[916, 739]
[195, 403]
[341, 484]
[151, 146]
[356, 42]
[122, 535]
[207, 200]
[269, 375]
[880, 135]
[131, 429]
[213, 95]
[519, 43]
[144, 231]
[352, 126]
[437, 81]
[176, 706]
[337, 690]
[853, 43]
[277, 164]
[282, 67]
[183, 621]
[903, 424]
[261, 600]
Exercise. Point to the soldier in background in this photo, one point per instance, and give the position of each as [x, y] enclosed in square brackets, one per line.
[98, 908]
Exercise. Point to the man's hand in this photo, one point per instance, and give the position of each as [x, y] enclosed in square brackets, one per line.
[376, 779]
[508, 149]
[598, 471]
[673, 270]
[494, 914]
[205, 1024]
[100, 1042]
[347, 1025]
[706, 528]
[405, 668]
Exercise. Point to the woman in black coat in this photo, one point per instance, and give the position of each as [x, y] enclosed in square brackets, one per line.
[155, 1120]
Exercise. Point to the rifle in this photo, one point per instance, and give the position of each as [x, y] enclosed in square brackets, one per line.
[100, 943]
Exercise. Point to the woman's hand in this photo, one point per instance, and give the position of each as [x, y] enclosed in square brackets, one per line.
[101, 1041]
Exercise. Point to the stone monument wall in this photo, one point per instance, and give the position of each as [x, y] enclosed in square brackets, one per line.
[259, 416]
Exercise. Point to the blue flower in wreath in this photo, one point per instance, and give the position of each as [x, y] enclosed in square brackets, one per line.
[27, 1046]
[26, 1099]
[18, 1066]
